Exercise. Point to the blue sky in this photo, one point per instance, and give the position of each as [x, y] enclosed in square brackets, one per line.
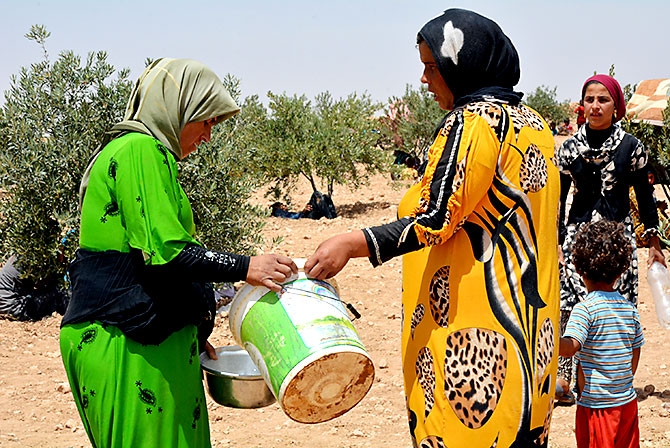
[364, 46]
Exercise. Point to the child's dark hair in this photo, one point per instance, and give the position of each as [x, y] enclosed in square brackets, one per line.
[601, 251]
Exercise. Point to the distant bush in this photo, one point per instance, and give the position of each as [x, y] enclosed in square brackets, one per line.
[543, 100]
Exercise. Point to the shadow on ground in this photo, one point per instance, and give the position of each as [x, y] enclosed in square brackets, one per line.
[359, 208]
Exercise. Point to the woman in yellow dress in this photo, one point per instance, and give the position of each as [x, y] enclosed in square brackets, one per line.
[479, 238]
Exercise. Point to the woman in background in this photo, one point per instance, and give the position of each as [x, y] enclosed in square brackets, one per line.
[141, 311]
[478, 234]
[603, 162]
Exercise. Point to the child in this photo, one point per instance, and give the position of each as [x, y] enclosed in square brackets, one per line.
[605, 335]
[565, 128]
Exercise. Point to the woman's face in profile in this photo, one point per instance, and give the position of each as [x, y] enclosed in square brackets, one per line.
[431, 76]
[598, 106]
[193, 134]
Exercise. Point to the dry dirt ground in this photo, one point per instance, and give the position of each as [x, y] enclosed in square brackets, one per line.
[37, 409]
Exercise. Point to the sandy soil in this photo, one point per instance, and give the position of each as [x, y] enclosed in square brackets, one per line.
[38, 411]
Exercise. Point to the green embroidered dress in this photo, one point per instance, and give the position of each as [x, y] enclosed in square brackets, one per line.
[134, 201]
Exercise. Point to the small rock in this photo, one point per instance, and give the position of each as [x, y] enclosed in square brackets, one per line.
[383, 364]
[357, 433]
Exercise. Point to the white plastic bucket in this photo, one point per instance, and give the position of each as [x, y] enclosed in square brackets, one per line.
[305, 346]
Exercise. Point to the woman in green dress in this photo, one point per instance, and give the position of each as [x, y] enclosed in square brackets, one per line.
[141, 309]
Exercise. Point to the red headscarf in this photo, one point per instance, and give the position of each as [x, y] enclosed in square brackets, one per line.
[613, 87]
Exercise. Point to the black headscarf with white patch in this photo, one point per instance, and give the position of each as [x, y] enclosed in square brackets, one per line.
[474, 56]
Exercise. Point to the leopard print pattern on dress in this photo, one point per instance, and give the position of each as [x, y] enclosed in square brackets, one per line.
[533, 172]
[432, 442]
[491, 112]
[423, 205]
[475, 368]
[417, 317]
[448, 124]
[545, 348]
[432, 239]
[544, 436]
[439, 296]
[425, 375]
[522, 116]
[459, 176]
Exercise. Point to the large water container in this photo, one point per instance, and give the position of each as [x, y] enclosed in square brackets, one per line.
[305, 346]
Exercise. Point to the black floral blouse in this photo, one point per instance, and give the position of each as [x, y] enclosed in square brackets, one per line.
[602, 178]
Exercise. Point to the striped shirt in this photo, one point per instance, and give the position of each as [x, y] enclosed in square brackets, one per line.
[608, 328]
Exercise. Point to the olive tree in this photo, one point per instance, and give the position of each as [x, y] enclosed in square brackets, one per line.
[344, 145]
[54, 114]
[327, 142]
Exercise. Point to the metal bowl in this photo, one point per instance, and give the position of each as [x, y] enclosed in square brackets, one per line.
[234, 381]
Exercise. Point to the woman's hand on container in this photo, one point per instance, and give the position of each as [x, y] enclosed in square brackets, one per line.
[334, 253]
[270, 271]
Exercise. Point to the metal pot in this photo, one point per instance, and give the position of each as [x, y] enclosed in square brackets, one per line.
[234, 381]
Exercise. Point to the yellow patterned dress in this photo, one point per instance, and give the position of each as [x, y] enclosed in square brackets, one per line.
[481, 301]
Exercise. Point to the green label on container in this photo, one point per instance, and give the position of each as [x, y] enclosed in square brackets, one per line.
[306, 318]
